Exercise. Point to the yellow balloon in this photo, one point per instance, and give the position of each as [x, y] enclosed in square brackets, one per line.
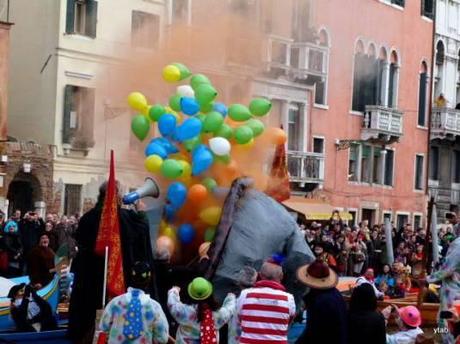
[163, 225]
[171, 73]
[153, 163]
[146, 110]
[211, 215]
[137, 101]
[186, 169]
[169, 232]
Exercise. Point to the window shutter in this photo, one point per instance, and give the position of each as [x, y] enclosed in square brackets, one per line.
[66, 130]
[91, 18]
[70, 17]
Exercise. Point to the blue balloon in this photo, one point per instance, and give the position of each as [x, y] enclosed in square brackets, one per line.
[169, 212]
[186, 233]
[202, 159]
[190, 128]
[166, 144]
[177, 194]
[167, 124]
[154, 148]
[221, 108]
[189, 106]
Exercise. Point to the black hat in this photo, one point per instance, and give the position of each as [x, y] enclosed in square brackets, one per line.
[141, 270]
[14, 290]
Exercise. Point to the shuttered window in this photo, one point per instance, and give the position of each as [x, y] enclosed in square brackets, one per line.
[72, 199]
[81, 17]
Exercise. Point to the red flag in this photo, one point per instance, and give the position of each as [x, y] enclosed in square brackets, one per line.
[109, 236]
[279, 188]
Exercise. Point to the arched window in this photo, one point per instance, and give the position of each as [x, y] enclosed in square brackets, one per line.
[422, 95]
[440, 53]
[323, 38]
[369, 77]
[321, 84]
[393, 80]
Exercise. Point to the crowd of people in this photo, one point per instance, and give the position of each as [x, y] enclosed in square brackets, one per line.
[28, 244]
[353, 250]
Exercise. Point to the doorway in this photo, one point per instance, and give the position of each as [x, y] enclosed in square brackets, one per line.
[369, 215]
[23, 191]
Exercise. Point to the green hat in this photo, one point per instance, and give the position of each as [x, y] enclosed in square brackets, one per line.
[200, 289]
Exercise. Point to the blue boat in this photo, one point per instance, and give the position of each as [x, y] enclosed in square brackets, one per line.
[50, 293]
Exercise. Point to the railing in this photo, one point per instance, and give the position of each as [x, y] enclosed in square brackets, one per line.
[445, 195]
[445, 122]
[381, 120]
[299, 59]
[305, 167]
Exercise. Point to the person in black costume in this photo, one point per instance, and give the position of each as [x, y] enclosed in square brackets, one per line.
[88, 267]
[29, 311]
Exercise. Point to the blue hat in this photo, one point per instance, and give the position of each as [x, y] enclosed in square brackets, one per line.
[11, 226]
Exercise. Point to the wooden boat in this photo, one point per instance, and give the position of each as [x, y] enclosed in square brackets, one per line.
[429, 311]
[50, 293]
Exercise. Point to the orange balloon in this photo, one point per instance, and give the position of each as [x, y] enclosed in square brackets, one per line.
[277, 136]
[197, 193]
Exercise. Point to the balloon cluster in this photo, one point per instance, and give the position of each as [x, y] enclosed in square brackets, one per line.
[200, 138]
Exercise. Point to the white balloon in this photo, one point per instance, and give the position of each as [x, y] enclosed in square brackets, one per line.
[220, 146]
[186, 91]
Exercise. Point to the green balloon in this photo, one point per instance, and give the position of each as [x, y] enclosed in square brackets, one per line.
[205, 108]
[213, 122]
[184, 71]
[201, 117]
[156, 111]
[174, 102]
[222, 158]
[209, 183]
[209, 234]
[225, 131]
[256, 126]
[191, 144]
[239, 113]
[199, 79]
[171, 168]
[140, 126]
[243, 134]
[205, 93]
[260, 106]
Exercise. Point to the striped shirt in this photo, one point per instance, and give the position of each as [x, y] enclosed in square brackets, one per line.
[264, 313]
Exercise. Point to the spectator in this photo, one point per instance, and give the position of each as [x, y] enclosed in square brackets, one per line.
[13, 247]
[52, 234]
[368, 278]
[320, 253]
[40, 263]
[134, 316]
[365, 323]
[30, 229]
[385, 279]
[267, 301]
[29, 311]
[408, 320]
[199, 322]
[325, 305]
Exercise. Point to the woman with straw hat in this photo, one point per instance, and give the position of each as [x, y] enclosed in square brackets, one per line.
[199, 322]
[326, 309]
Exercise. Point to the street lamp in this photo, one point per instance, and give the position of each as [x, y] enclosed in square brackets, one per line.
[26, 166]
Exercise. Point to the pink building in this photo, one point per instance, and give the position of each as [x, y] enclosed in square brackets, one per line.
[369, 112]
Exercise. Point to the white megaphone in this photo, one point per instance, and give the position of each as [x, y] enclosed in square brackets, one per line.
[148, 189]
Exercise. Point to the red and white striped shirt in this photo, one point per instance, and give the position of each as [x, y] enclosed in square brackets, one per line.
[264, 313]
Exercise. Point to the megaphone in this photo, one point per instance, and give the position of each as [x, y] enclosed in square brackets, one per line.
[148, 189]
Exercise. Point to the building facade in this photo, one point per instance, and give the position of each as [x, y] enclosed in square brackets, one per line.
[62, 56]
[372, 117]
[444, 174]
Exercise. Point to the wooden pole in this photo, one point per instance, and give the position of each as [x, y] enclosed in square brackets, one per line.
[422, 277]
[104, 290]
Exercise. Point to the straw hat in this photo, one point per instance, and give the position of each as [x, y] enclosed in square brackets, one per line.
[200, 289]
[317, 275]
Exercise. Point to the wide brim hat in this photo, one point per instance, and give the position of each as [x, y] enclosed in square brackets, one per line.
[200, 289]
[410, 315]
[317, 275]
[14, 290]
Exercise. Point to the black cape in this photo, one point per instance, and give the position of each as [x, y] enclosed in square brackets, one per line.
[88, 268]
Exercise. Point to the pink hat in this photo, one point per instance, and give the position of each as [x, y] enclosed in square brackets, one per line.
[410, 315]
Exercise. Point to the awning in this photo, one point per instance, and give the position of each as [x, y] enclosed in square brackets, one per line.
[314, 210]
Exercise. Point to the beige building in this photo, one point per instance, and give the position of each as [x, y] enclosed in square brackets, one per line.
[62, 52]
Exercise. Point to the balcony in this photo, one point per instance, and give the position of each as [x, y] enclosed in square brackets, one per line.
[445, 123]
[305, 167]
[444, 196]
[299, 61]
[382, 125]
